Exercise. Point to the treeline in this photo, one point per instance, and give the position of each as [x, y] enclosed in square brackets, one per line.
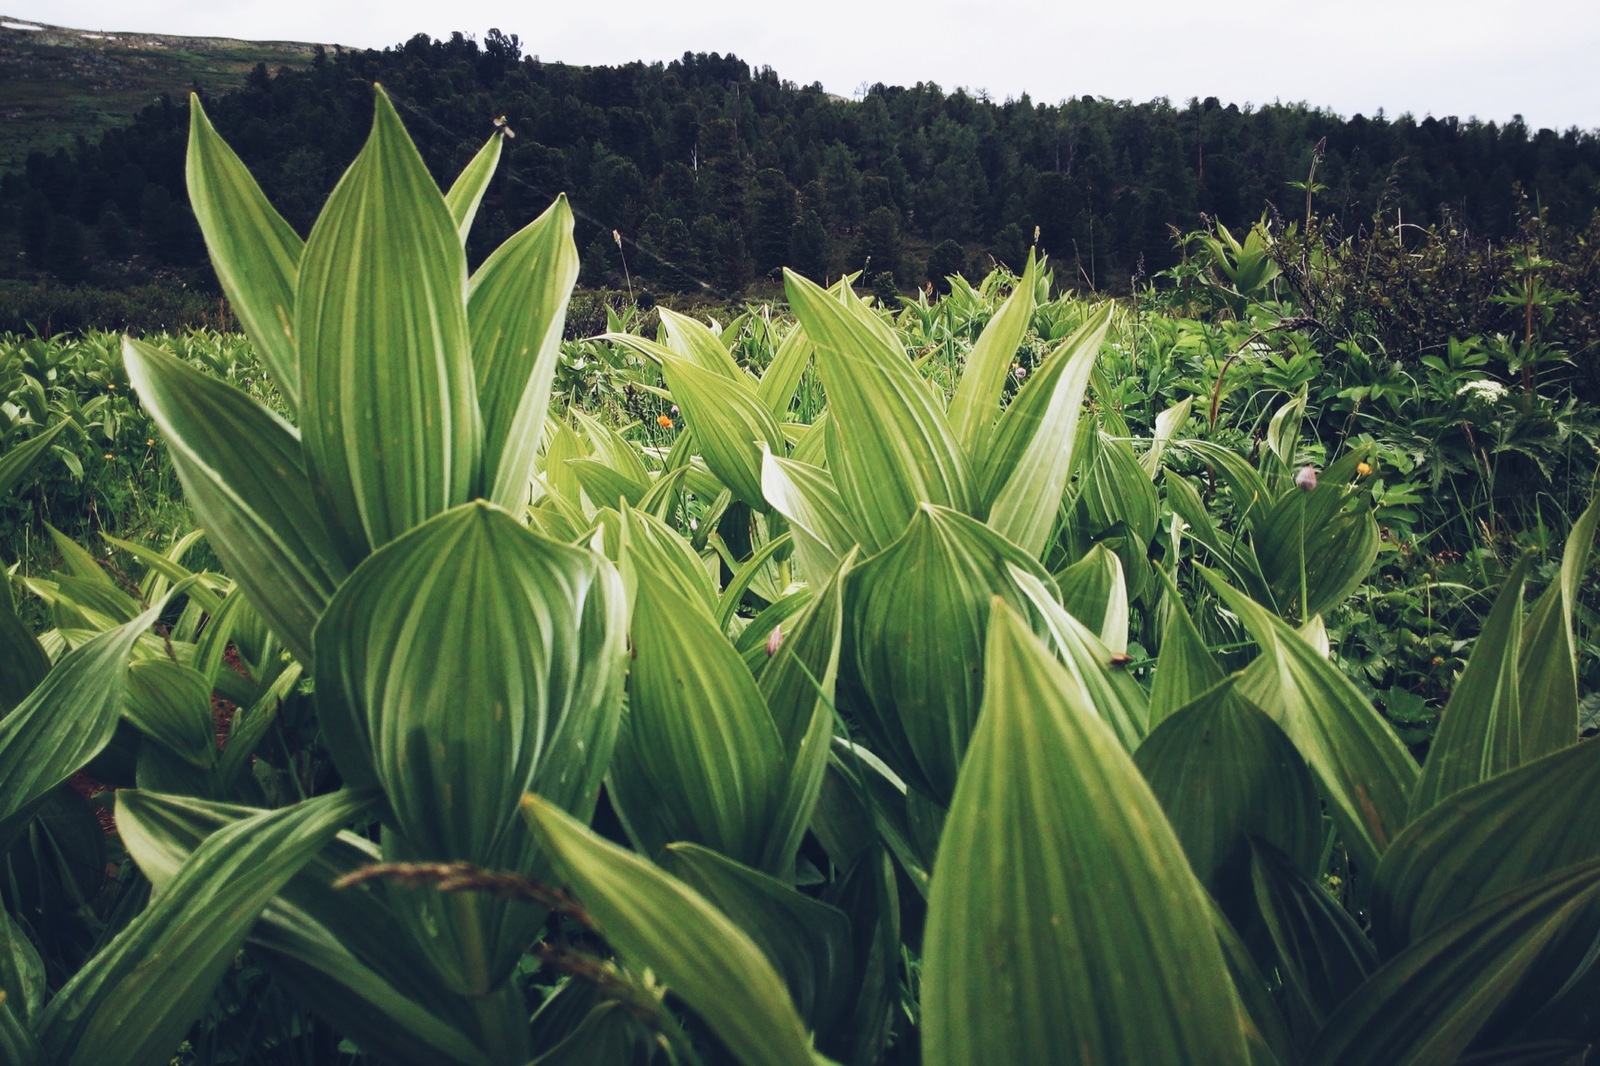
[707, 175]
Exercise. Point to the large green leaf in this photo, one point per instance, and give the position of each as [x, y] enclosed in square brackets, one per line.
[171, 703]
[18, 459]
[892, 448]
[336, 947]
[255, 253]
[476, 658]
[1427, 1003]
[657, 921]
[1093, 591]
[976, 404]
[782, 376]
[1364, 771]
[915, 619]
[805, 495]
[1323, 540]
[1480, 731]
[1185, 667]
[466, 192]
[1061, 924]
[389, 413]
[731, 423]
[1548, 667]
[133, 1001]
[1486, 839]
[18, 1045]
[807, 942]
[65, 721]
[23, 662]
[516, 308]
[1029, 459]
[243, 473]
[1224, 772]
[22, 975]
[699, 758]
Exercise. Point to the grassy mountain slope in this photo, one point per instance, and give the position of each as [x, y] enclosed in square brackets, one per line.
[57, 84]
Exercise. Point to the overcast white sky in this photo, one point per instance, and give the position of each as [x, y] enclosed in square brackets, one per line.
[1484, 58]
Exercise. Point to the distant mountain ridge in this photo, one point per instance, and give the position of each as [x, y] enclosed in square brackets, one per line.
[58, 83]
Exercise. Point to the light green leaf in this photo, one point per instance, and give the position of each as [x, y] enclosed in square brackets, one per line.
[915, 619]
[1058, 922]
[18, 459]
[657, 921]
[891, 448]
[134, 1000]
[805, 495]
[1364, 771]
[1329, 531]
[64, 722]
[390, 416]
[466, 192]
[255, 254]
[171, 703]
[976, 404]
[699, 758]
[1185, 667]
[242, 472]
[1029, 459]
[782, 376]
[731, 423]
[1480, 731]
[1094, 592]
[516, 308]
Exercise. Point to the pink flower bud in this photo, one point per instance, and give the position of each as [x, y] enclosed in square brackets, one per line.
[1306, 478]
[774, 641]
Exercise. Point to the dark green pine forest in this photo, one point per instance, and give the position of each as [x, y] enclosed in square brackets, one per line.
[704, 175]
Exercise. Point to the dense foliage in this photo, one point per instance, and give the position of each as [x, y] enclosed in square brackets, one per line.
[1002, 676]
[706, 175]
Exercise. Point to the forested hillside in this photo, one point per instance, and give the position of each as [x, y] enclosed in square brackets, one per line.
[707, 175]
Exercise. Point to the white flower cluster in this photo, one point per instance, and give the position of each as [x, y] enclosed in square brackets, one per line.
[1482, 389]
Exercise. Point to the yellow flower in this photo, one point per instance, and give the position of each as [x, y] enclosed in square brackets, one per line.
[664, 421]
[110, 456]
[1363, 469]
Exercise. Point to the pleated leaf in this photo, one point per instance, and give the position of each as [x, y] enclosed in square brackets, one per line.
[390, 416]
[1185, 667]
[466, 192]
[23, 662]
[1365, 773]
[516, 310]
[806, 941]
[699, 758]
[64, 722]
[915, 619]
[1487, 839]
[1322, 954]
[1029, 459]
[976, 404]
[731, 423]
[805, 495]
[1548, 666]
[655, 920]
[690, 339]
[243, 473]
[1427, 1003]
[1094, 592]
[171, 703]
[892, 448]
[18, 459]
[1061, 925]
[255, 253]
[471, 661]
[1224, 772]
[22, 975]
[782, 376]
[132, 1002]
[1480, 731]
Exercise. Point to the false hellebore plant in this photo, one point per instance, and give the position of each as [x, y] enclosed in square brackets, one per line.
[1087, 869]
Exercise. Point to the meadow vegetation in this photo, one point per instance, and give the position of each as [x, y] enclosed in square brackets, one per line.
[1199, 675]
